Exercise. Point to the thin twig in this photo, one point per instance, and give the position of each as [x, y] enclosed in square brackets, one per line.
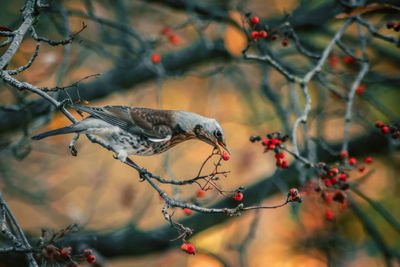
[21, 69]
[352, 92]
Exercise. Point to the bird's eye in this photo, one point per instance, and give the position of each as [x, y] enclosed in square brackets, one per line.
[217, 134]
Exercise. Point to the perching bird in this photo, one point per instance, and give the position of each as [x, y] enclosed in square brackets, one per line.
[143, 131]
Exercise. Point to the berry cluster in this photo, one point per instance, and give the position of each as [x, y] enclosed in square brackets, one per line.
[295, 195]
[347, 59]
[173, 38]
[273, 142]
[333, 177]
[65, 255]
[393, 25]
[257, 34]
[87, 253]
[188, 248]
[334, 181]
[393, 129]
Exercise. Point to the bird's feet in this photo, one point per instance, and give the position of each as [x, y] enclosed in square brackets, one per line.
[143, 174]
[73, 150]
[64, 102]
[71, 146]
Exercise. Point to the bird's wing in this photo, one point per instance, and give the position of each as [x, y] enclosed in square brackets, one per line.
[154, 124]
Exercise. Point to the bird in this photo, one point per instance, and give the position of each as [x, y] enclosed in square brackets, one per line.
[143, 131]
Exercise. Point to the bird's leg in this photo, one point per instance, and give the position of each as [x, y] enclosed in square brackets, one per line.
[71, 146]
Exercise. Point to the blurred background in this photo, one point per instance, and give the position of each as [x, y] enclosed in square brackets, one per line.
[202, 70]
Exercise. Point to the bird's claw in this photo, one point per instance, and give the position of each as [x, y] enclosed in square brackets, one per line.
[73, 150]
[64, 102]
[142, 173]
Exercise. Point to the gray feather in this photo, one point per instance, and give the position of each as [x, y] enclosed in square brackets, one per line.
[64, 130]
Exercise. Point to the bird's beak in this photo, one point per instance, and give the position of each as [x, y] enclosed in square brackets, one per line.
[222, 144]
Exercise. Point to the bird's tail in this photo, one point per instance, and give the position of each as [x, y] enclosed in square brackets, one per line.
[64, 130]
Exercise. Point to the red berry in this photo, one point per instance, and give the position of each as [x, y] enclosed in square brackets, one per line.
[174, 39]
[166, 30]
[265, 142]
[226, 156]
[360, 89]
[284, 164]
[293, 192]
[368, 160]
[334, 180]
[385, 129]
[190, 249]
[362, 169]
[333, 61]
[271, 146]
[352, 161]
[329, 215]
[344, 154]
[379, 124]
[201, 193]
[262, 34]
[273, 141]
[156, 58]
[254, 20]
[328, 183]
[343, 177]
[184, 247]
[274, 37]
[65, 252]
[87, 252]
[255, 35]
[238, 196]
[187, 211]
[334, 171]
[86, 102]
[349, 59]
[91, 258]
[285, 42]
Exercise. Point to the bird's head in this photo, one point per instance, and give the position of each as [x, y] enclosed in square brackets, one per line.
[211, 132]
[205, 129]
